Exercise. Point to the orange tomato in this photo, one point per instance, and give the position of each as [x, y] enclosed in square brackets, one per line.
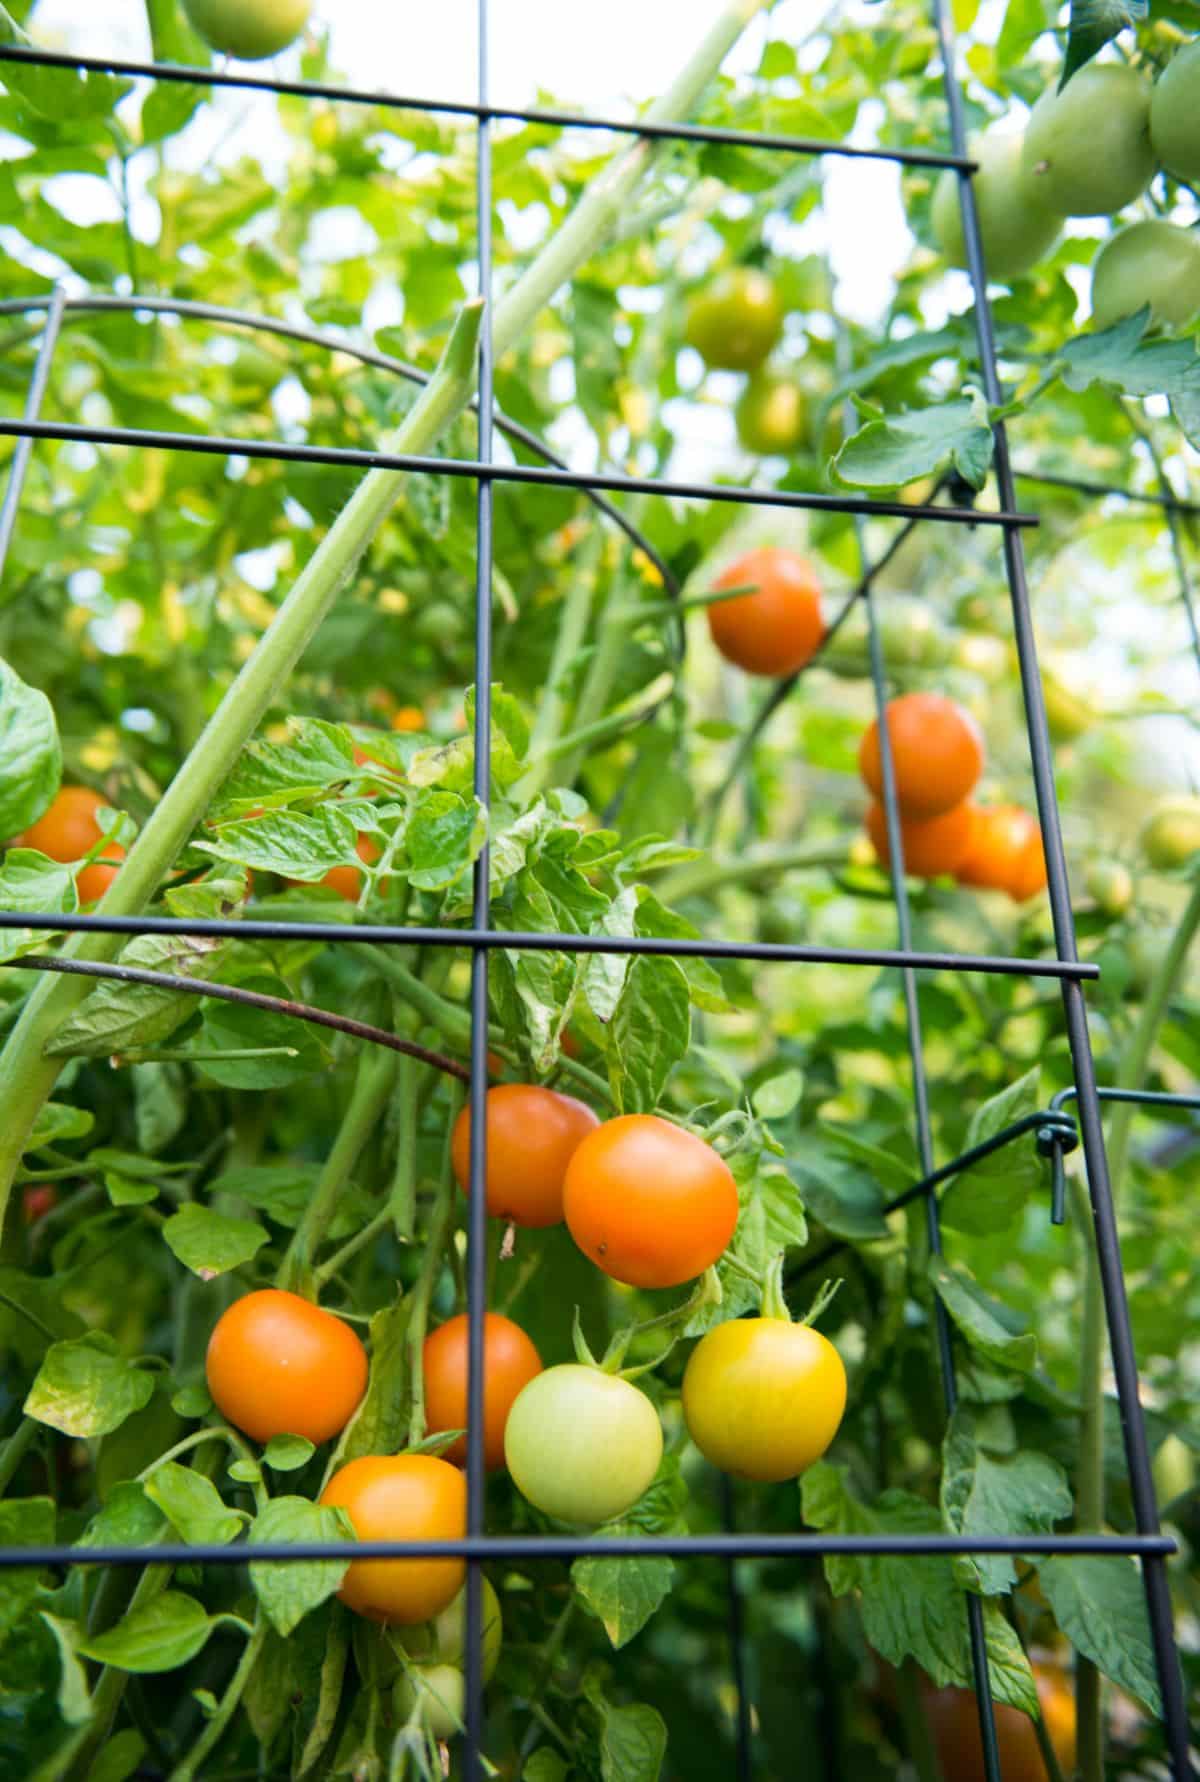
[279, 1365]
[347, 880]
[954, 1722]
[510, 1361]
[401, 1497]
[932, 846]
[66, 831]
[937, 753]
[651, 1204]
[531, 1135]
[1005, 853]
[776, 629]
[409, 717]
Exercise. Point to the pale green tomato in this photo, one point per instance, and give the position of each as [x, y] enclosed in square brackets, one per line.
[1087, 149]
[1067, 715]
[582, 1445]
[772, 415]
[979, 654]
[1154, 263]
[1016, 225]
[440, 1691]
[443, 1640]
[248, 29]
[1171, 834]
[1110, 886]
[1175, 114]
[734, 323]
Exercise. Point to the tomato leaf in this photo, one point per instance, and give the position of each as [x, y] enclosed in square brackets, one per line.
[289, 1591]
[987, 1325]
[1119, 356]
[1094, 23]
[633, 1740]
[24, 1522]
[85, 1387]
[120, 1758]
[127, 1519]
[443, 838]
[293, 1048]
[624, 1593]
[74, 1699]
[911, 1605]
[380, 1424]
[193, 1505]
[159, 1636]
[30, 753]
[986, 1492]
[116, 1017]
[211, 1243]
[1100, 1605]
[295, 844]
[284, 1453]
[57, 93]
[899, 449]
[990, 1195]
[650, 1032]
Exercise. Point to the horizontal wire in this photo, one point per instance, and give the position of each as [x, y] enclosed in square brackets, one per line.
[713, 1546]
[515, 941]
[569, 120]
[218, 445]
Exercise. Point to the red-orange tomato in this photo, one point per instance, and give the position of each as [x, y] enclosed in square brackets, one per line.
[776, 629]
[937, 753]
[38, 1199]
[66, 831]
[347, 880]
[1005, 853]
[409, 717]
[953, 1717]
[510, 1361]
[401, 1497]
[932, 846]
[651, 1204]
[532, 1134]
[278, 1365]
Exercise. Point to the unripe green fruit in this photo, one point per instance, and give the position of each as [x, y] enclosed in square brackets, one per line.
[443, 1640]
[1175, 114]
[441, 1692]
[1087, 149]
[734, 324]
[1171, 833]
[1067, 716]
[772, 415]
[1015, 223]
[1154, 263]
[248, 29]
[1110, 886]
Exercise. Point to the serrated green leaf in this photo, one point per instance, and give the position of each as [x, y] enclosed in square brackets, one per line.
[24, 1522]
[649, 1033]
[74, 1698]
[443, 838]
[987, 1325]
[1093, 24]
[159, 1636]
[116, 1017]
[889, 453]
[990, 1195]
[984, 1492]
[1100, 1604]
[85, 1387]
[288, 1592]
[30, 754]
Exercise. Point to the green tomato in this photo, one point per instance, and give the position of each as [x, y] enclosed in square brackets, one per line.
[1087, 149]
[439, 622]
[1067, 715]
[1017, 226]
[582, 1445]
[444, 1639]
[1110, 886]
[248, 29]
[735, 323]
[979, 654]
[439, 1691]
[1171, 833]
[1175, 114]
[1154, 263]
[772, 415]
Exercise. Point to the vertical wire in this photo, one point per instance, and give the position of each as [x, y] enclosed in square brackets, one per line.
[477, 1201]
[1108, 1247]
[737, 1642]
[33, 404]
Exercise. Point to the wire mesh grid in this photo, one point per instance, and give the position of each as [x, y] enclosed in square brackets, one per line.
[1057, 1132]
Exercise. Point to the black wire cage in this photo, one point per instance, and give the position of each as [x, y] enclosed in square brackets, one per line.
[1056, 1131]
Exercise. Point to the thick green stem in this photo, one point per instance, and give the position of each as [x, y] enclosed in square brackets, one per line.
[572, 626]
[703, 876]
[441, 1222]
[189, 1766]
[368, 1099]
[402, 1201]
[15, 1450]
[599, 681]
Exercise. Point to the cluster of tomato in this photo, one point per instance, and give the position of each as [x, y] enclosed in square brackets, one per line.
[735, 323]
[937, 758]
[654, 1206]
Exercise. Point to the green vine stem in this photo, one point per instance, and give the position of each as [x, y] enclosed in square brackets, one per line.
[369, 1097]
[189, 1766]
[705, 876]
[27, 1076]
[15, 1450]
[441, 1224]
[572, 629]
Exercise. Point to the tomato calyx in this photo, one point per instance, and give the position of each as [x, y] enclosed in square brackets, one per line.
[707, 1292]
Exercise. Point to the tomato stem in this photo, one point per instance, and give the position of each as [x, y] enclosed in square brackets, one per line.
[441, 1223]
[189, 1766]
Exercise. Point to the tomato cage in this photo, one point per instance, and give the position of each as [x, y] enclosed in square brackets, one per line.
[1057, 1132]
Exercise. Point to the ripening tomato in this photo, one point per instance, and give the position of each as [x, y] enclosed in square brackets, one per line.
[933, 846]
[1110, 886]
[937, 753]
[651, 1204]
[248, 29]
[38, 1199]
[510, 1361]
[66, 831]
[734, 323]
[772, 415]
[347, 880]
[776, 629]
[401, 1497]
[999, 839]
[1171, 833]
[436, 1694]
[532, 1134]
[443, 1640]
[953, 1717]
[582, 1445]
[1029, 874]
[763, 1398]
[278, 1365]
[409, 717]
